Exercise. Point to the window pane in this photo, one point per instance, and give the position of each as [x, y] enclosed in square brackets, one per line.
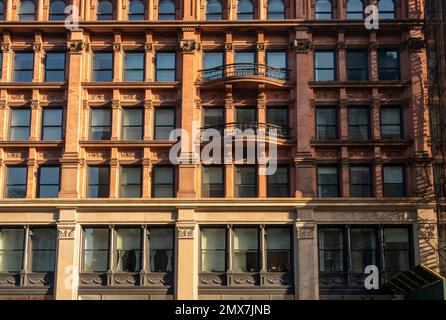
[213, 10]
[244, 57]
[363, 246]
[213, 117]
[165, 60]
[134, 66]
[324, 66]
[326, 123]
[166, 10]
[164, 123]
[55, 66]
[161, 249]
[95, 250]
[212, 182]
[98, 182]
[163, 182]
[396, 242]
[44, 249]
[276, 9]
[48, 182]
[245, 250]
[245, 182]
[276, 59]
[52, 124]
[278, 183]
[213, 246]
[391, 123]
[245, 115]
[132, 124]
[11, 249]
[360, 181]
[358, 121]
[393, 181]
[57, 10]
[245, 10]
[277, 116]
[331, 254]
[19, 126]
[130, 182]
[328, 182]
[16, 182]
[128, 247]
[278, 245]
[357, 65]
[102, 66]
[100, 124]
[212, 60]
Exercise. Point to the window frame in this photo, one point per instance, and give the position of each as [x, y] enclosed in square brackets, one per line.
[96, 71]
[316, 13]
[217, 15]
[155, 126]
[55, 69]
[7, 184]
[121, 180]
[270, 13]
[124, 127]
[255, 185]
[89, 184]
[166, 14]
[173, 185]
[371, 184]
[223, 179]
[11, 127]
[364, 69]
[136, 16]
[143, 70]
[338, 184]
[22, 70]
[20, 14]
[334, 68]
[335, 126]
[354, 12]
[397, 68]
[43, 126]
[400, 124]
[58, 15]
[171, 69]
[99, 15]
[90, 136]
[40, 185]
[270, 185]
[358, 126]
[403, 183]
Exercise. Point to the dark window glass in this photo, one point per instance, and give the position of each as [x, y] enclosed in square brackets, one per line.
[128, 247]
[2, 10]
[16, 182]
[327, 182]
[357, 65]
[52, 124]
[214, 10]
[277, 116]
[324, 66]
[386, 9]
[55, 67]
[98, 181]
[363, 248]
[57, 10]
[213, 117]
[245, 10]
[212, 185]
[246, 250]
[95, 250]
[134, 66]
[331, 250]
[388, 65]
[245, 61]
[1, 62]
[130, 182]
[164, 123]
[102, 66]
[132, 124]
[393, 180]
[326, 123]
[19, 125]
[213, 60]
[161, 249]
[43, 249]
[245, 182]
[136, 10]
[11, 249]
[355, 9]
[323, 9]
[165, 66]
[396, 249]
[23, 66]
[246, 115]
[163, 182]
[213, 250]
[278, 61]
[104, 10]
[100, 124]
[166, 10]
[360, 181]
[48, 182]
[278, 183]
[276, 10]
[391, 123]
[27, 10]
[358, 123]
[278, 249]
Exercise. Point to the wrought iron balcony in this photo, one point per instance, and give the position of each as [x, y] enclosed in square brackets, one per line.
[254, 128]
[243, 70]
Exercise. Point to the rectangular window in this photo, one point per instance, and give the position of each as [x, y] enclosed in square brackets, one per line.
[55, 67]
[327, 182]
[326, 123]
[246, 250]
[100, 128]
[212, 185]
[331, 250]
[11, 249]
[1, 64]
[52, 124]
[278, 249]
[324, 66]
[277, 60]
[244, 63]
[134, 66]
[128, 250]
[363, 248]
[165, 66]
[357, 65]
[161, 249]
[48, 182]
[164, 123]
[277, 116]
[98, 181]
[213, 117]
[102, 66]
[213, 60]
[360, 181]
[19, 125]
[132, 124]
[130, 182]
[278, 183]
[95, 250]
[393, 181]
[388, 65]
[245, 117]
[396, 249]
[245, 182]
[359, 123]
[213, 250]
[43, 245]
[16, 182]
[23, 66]
[163, 182]
[391, 123]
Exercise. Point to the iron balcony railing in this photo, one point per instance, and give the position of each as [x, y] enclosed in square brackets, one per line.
[242, 70]
[254, 128]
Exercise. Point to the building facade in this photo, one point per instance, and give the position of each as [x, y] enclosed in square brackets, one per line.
[91, 206]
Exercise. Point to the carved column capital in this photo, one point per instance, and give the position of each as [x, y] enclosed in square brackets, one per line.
[305, 230]
[188, 45]
[185, 231]
[302, 45]
[66, 231]
[75, 46]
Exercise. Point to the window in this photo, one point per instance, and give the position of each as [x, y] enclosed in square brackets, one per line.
[358, 123]
[1, 63]
[27, 10]
[132, 124]
[2, 10]
[245, 10]
[245, 61]
[214, 10]
[98, 181]
[245, 115]
[355, 9]
[16, 182]
[331, 250]
[246, 254]
[245, 182]
[52, 124]
[55, 67]
[360, 181]
[11, 249]
[391, 126]
[100, 128]
[134, 66]
[43, 245]
[163, 182]
[278, 183]
[213, 250]
[363, 248]
[164, 123]
[386, 9]
[136, 10]
[161, 249]
[213, 117]
[393, 181]
[23, 66]
[388, 65]
[57, 10]
[102, 66]
[396, 249]
[130, 182]
[166, 10]
[323, 10]
[128, 249]
[357, 65]
[165, 66]
[276, 10]
[278, 249]
[277, 116]
[324, 66]
[327, 182]
[104, 10]
[326, 123]
[212, 182]
[48, 182]
[95, 250]
[213, 60]
[278, 61]
[19, 125]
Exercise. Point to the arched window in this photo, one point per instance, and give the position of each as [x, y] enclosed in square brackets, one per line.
[355, 9]
[136, 10]
[276, 9]
[2, 10]
[245, 10]
[214, 10]
[104, 10]
[323, 10]
[386, 9]
[27, 10]
[166, 10]
[57, 10]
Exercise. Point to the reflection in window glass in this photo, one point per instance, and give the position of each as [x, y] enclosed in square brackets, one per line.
[213, 250]
[95, 250]
[246, 255]
[43, 250]
[278, 246]
[331, 250]
[11, 249]
[128, 250]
